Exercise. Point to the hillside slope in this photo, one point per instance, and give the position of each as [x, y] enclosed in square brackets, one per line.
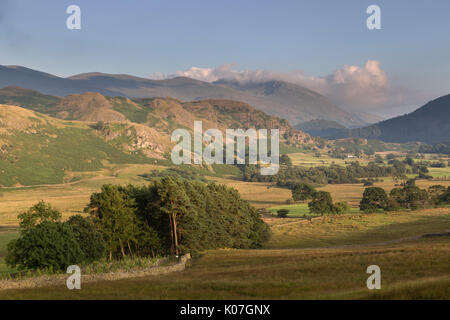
[85, 132]
[38, 149]
[321, 128]
[162, 114]
[294, 102]
[430, 124]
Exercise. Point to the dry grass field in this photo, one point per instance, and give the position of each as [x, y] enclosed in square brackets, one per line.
[357, 229]
[323, 259]
[69, 198]
[412, 270]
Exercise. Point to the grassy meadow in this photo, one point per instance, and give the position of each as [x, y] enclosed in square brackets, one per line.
[320, 259]
[411, 270]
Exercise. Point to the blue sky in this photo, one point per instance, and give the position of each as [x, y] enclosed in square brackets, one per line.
[166, 36]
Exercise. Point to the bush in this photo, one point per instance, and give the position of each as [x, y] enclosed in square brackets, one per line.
[37, 214]
[436, 192]
[322, 203]
[341, 207]
[409, 197]
[374, 198]
[282, 213]
[89, 239]
[445, 197]
[415, 197]
[49, 245]
[303, 191]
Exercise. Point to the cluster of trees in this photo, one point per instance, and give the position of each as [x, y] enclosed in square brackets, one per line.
[321, 175]
[47, 243]
[443, 148]
[409, 197]
[182, 171]
[321, 201]
[167, 216]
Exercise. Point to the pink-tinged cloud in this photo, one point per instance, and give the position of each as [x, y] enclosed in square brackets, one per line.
[352, 87]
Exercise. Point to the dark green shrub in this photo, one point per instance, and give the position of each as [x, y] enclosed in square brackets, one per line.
[436, 192]
[321, 203]
[374, 199]
[341, 207]
[282, 213]
[415, 197]
[445, 197]
[302, 191]
[90, 240]
[49, 245]
[37, 214]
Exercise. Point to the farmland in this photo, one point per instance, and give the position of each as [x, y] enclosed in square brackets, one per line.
[415, 269]
[320, 259]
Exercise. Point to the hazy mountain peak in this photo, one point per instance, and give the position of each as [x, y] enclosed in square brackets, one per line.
[279, 98]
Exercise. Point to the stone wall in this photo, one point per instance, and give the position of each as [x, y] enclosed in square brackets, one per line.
[60, 279]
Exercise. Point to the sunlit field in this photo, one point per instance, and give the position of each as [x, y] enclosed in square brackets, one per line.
[325, 258]
[69, 198]
[410, 270]
[357, 229]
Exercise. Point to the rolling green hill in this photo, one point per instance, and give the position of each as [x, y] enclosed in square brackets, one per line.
[37, 149]
[83, 132]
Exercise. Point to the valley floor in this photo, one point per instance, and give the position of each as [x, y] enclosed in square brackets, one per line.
[325, 259]
[416, 270]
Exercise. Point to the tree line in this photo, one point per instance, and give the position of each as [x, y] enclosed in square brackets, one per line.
[409, 197]
[289, 176]
[167, 216]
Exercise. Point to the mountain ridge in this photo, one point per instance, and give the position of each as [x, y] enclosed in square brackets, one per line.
[298, 105]
[429, 123]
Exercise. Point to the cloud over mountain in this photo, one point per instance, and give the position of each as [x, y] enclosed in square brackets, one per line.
[352, 87]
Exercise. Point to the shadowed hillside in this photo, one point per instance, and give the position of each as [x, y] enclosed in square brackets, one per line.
[430, 124]
[321, 128]
[309, 105]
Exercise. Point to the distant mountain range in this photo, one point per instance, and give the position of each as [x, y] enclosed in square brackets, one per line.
[430, 124]
[286, 100]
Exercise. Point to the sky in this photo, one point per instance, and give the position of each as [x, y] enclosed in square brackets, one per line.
[323, 45]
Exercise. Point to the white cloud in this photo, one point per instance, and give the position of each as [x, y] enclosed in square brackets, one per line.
[352, 87]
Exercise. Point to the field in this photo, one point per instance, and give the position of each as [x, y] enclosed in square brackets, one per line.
[410, 268]
[357, 229]
[322, 259]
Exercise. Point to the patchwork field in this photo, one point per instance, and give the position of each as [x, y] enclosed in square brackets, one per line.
[322, 259]
[71, 198]
[411, 270]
